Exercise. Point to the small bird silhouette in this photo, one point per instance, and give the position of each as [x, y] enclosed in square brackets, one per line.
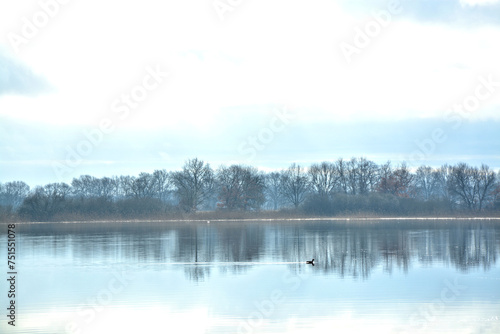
[310, 262]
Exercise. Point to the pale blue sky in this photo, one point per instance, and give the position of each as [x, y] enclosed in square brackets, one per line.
[126, 86]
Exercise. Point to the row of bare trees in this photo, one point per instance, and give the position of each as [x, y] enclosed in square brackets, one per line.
[238, 187]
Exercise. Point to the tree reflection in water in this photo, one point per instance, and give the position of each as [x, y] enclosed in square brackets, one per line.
[350, 248]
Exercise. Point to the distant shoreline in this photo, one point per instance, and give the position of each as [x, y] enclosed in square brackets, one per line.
[221, 220]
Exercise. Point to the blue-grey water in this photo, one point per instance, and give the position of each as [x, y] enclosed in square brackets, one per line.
[426, 276]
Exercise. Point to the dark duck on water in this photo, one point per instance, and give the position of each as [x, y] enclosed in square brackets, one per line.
[310, 262]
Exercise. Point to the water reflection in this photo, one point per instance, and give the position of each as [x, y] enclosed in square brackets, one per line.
[346, 249]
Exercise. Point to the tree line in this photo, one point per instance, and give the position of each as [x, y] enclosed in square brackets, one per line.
[350, 186]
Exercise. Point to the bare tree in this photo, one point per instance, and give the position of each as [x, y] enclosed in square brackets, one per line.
[486, 182]
[37, 205]
[462, 184]
[496, 194]
[352, 175]
[45, 201]
[342, 172]
[366, 175]
[107, 188]
[441, 181]
[57, 190]
[84, 186]
[472, 186]
[398, 182]
[12, 194]
[273, 190]
[125, 188]
[194, 184]
[162, 184]
[323, 178]
[240, 188]
[295, 185]
[425, 183]
[402, 181]
[143, 186]
[385, 178]
[357, 176]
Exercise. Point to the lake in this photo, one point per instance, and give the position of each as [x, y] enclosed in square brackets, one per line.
[372, 276]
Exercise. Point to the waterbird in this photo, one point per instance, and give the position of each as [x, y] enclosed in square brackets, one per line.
[208, 221]
[310, 262]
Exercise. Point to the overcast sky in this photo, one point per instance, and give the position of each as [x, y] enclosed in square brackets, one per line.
[119, 87]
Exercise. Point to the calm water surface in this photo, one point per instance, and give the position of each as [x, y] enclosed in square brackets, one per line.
[251, 277]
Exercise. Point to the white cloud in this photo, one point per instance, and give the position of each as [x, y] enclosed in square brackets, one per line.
[277, 53]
